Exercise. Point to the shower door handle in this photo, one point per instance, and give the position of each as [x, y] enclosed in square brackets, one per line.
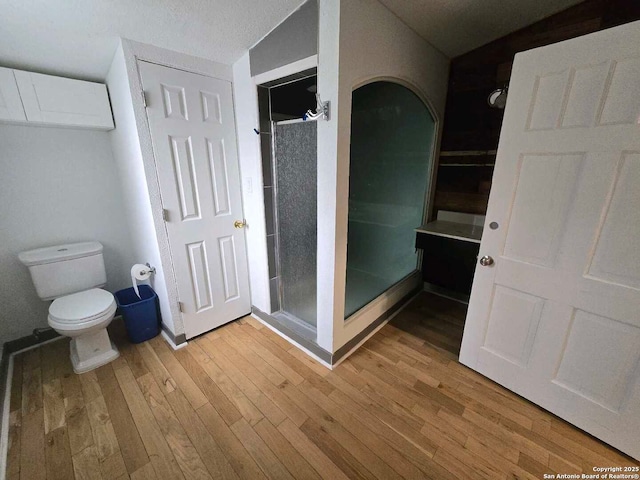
[240, 223]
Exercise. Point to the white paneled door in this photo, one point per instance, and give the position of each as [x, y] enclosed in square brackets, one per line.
[192, 126]
[556, 316]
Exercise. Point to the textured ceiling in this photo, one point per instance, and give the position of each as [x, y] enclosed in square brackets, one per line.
[79, 37]
[459, 26]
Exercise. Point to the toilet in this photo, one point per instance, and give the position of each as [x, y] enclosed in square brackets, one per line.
[72, 276]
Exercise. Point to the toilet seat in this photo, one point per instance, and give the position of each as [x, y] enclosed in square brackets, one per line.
[85, 316]
[80, 310]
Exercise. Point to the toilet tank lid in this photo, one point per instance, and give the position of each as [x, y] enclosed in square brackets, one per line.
[58, 253]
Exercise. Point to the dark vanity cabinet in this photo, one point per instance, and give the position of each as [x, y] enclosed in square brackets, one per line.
[449, 254]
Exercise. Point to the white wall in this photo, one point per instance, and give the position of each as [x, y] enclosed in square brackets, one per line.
[328, 78]
[374, 44]
[246, 109]
[56, 186]
[294, 39]
[137, 204]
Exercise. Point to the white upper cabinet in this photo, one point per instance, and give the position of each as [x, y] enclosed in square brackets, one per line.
[49, 100]
[10, 104]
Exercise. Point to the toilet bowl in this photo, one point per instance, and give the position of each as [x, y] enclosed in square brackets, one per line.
[72, 276]
[84, 316]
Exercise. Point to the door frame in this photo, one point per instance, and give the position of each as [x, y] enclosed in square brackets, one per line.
[134, 52]
[276, 77]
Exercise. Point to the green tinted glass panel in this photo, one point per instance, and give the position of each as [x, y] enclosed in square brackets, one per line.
[392, 134]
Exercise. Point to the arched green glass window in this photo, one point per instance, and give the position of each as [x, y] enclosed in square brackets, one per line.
[392, 136]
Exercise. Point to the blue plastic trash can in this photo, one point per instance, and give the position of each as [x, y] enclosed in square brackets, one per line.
[141, 315]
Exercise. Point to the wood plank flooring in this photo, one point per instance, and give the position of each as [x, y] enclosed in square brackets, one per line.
[242, 403]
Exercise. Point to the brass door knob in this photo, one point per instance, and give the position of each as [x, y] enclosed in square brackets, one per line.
[239, 223]
[486, 261]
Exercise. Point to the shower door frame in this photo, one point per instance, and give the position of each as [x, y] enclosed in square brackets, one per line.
[429, 200]
[276, 222]
[351, 331]
[278, 77]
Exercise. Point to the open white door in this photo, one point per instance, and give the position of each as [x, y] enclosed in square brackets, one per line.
[192, 126]
[556, 318]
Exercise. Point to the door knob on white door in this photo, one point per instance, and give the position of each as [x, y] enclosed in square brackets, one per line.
[486, 261]
[239, 223]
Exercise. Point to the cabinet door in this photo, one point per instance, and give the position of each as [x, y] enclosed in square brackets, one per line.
[447, 262]
[63, 101]
[10, 104]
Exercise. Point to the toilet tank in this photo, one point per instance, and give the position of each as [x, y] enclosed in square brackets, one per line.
[64, 269]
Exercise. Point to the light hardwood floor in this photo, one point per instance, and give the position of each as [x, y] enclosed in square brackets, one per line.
[240, 402]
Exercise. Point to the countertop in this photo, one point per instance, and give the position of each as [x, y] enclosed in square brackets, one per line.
[459, 231]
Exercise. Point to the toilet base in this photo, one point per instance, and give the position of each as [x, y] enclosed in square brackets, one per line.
[92, 350]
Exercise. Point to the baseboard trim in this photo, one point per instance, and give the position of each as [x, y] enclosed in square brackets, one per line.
[292, 342]
[352, 345]
[175, 342]
[9, 351]
[328, 359]
[292, 336]
[4, 433]
[30, 341]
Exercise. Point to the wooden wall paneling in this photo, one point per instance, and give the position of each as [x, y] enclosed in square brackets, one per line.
[470, 124]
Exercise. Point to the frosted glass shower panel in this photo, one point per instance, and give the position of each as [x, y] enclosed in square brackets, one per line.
[392, 134]
[296, 200]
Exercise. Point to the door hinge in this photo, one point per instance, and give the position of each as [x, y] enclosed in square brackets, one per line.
[144, 98]
[181, 307]
[165, 214]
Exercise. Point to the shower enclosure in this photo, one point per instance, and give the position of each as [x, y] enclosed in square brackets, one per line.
[391, 163]
[392, 140]
[289, 149]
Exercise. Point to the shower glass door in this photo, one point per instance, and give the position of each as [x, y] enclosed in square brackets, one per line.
[392, 135]
[297, 217]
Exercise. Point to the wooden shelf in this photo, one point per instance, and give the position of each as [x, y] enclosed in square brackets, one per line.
[462, 202]
[458, 231]
[467, 165]
[467, 153]
[467, 158]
